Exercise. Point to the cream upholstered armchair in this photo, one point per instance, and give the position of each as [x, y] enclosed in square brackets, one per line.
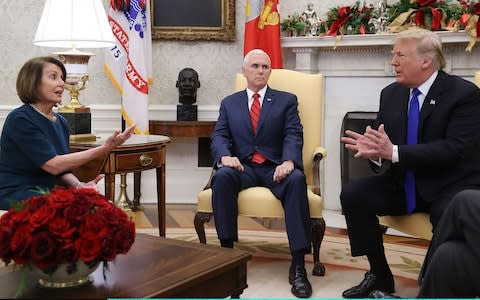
[416, 224]
[259, 201]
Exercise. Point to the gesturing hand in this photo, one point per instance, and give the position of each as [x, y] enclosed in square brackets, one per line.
[373, 144]
[382, 146]
[117, 138]
[91, 184]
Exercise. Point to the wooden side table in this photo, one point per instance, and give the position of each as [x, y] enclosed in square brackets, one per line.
[182, 128]
[194, 129]
[139, 153]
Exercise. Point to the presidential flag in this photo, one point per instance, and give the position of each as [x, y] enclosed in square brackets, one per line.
[129, 63]
[262, 29]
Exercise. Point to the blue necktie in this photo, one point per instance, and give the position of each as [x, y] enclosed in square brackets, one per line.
[412, 138]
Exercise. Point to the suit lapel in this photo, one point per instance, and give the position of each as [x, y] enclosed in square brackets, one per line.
[266, 106]
[403, 116]
[244, 111]
[432, 99]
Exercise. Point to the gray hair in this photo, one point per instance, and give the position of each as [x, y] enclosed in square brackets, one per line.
[428, 43]
[254, 52]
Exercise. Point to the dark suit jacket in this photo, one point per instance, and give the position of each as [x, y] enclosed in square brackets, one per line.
[447, 156]
[279, 132]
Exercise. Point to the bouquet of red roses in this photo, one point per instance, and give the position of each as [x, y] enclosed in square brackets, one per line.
[63, 227]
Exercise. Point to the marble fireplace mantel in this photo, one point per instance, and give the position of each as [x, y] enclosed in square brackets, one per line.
[368, 55]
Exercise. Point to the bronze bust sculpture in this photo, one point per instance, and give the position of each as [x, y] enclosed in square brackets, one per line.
[187, 85]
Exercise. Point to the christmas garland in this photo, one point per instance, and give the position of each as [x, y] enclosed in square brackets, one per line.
[435, 15]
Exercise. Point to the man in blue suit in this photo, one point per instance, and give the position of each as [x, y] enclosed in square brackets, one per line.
[258, 141]
[442, 114]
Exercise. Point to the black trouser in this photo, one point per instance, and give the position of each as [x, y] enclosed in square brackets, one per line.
[365, 199]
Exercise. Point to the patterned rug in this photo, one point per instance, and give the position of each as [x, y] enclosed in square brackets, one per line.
[268, 270]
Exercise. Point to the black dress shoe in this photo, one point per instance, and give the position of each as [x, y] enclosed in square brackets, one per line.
[382, 295]
[369, 284]
[297, 277]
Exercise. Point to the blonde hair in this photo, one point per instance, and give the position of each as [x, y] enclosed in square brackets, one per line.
[428, 43]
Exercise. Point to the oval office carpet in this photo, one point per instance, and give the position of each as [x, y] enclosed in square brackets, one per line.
[268, 269]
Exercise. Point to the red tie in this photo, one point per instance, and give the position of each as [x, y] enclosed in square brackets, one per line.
[254, 116]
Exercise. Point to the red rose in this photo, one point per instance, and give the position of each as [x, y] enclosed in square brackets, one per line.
[15, 218]
[60, 198]
[110, 214]
[36, 201]
[88, 247]
[67, 252]
[108, 249]
[20, 243]
[96, 223]
[43, 250]
[121, 215]
[78, 210]
[426, 2]
[86, 194]
[42, 215]
[124, 237]
[102, 202]
[61, 228]
[5, 238]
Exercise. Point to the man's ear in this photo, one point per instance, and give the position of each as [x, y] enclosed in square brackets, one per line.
[198, 83]
[176, 85]
[427, 62]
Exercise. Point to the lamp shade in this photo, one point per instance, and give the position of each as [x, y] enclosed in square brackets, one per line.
[74, 24]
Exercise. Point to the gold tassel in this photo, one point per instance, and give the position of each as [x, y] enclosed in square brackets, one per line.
[471, 29]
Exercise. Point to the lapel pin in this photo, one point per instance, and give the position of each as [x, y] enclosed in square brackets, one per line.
[432, 102]
[268, 99]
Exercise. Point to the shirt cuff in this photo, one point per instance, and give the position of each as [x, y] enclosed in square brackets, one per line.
[395, 157]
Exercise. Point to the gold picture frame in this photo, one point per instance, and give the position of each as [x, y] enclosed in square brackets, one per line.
[173, 20]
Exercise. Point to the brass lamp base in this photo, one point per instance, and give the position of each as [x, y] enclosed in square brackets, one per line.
[87, 137]
[74, 109]
[80, 121]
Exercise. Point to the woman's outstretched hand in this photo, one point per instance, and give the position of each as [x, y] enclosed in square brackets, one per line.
[117, 138]
[91, 184]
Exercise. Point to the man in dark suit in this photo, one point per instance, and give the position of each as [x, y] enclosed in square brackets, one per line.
[451, 267]
[427, 138]
[258, 141]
